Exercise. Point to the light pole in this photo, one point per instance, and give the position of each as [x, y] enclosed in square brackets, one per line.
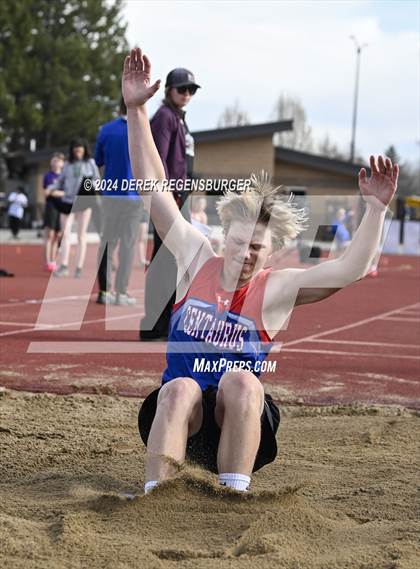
[359, 48]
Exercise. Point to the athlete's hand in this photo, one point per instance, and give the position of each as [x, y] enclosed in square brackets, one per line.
[136, 88]
[379, 189]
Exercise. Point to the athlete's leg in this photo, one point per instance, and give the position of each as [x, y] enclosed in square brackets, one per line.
[48, 241]
[66, 224]
[55, 244]
[143, 243]
[239, 406]
[83, 218]
[179, 415]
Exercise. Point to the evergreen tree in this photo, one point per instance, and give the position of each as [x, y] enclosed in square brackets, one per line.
[408, 179]
[60, 69]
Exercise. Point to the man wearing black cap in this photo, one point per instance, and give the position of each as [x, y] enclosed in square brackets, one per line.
[176, 148]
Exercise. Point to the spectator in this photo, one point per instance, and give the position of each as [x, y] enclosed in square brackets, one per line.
[17, 203]
[143, 238]
[175, 145]
[342, 235]
[122, 211]
[51, 214]
[200, 221]
[73, 202]
[198, 209]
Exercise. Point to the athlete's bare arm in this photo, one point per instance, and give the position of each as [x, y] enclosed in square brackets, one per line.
[181, 238]
[291, 287]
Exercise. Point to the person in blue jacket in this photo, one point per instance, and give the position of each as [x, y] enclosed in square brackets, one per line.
[341, 232]
[122, 210]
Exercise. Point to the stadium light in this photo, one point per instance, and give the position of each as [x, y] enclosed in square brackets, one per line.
[359, 48]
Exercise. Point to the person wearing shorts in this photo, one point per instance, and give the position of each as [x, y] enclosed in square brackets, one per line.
[211, 405]
[74, 202]
[52, 227]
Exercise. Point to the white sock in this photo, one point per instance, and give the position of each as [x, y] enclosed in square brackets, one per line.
[236, 481]
[150, 485]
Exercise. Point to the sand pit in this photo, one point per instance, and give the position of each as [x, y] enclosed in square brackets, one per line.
[341, 494]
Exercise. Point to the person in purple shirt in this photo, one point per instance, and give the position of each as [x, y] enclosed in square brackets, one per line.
[175, 145]
[52, 226]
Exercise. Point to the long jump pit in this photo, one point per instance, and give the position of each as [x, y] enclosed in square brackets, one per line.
[340, 494]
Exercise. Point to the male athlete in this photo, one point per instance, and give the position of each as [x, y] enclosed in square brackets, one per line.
[211, 405]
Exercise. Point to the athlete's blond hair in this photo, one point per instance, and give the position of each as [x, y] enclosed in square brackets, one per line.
[263, 203]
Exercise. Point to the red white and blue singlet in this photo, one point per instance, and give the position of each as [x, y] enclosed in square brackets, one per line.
[212, 331]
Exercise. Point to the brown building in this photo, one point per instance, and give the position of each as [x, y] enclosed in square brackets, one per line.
[237, 151]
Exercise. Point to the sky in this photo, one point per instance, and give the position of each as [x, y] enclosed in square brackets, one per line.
[251, 52]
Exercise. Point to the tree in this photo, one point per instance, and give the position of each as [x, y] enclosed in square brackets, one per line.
[60, 68]
[408, 179]
[300, 138]
[233, 116]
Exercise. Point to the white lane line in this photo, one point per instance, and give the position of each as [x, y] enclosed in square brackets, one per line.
[384, 344]
[46, 300]
[367, 377]
[349, 326]
[97, 347]
[77, 347]
[340, 353]
[21, 324]
[135, 292]
[43, 328]
[400, 319]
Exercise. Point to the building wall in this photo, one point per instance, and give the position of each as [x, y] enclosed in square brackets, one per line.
[326, 192]
[311, 177]
[235, 157]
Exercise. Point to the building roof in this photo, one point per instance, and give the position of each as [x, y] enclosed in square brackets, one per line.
[323, 163]
[247, 131]
[213, 135]
[31, 158]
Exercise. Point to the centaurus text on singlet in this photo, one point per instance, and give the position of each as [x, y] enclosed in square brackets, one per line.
[212, 331]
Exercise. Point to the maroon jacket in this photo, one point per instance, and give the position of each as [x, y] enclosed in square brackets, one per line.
[169, 136]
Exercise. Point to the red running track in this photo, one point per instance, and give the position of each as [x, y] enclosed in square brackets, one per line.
[360, 345]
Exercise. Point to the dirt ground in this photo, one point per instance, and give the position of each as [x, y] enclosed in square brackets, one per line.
[341, 493]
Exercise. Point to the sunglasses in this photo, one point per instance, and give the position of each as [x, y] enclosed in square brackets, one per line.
[190, 88]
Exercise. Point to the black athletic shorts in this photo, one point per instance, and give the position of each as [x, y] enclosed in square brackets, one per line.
[67, 208]
[202, 447]
[51, 216]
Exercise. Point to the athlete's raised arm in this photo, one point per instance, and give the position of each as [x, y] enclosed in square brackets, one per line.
[146, 163]
[311, 285]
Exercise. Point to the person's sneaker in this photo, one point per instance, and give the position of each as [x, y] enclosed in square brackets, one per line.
[105, 298]
[62, 271]
[123, 299]
[78, 273]
[50, 267]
